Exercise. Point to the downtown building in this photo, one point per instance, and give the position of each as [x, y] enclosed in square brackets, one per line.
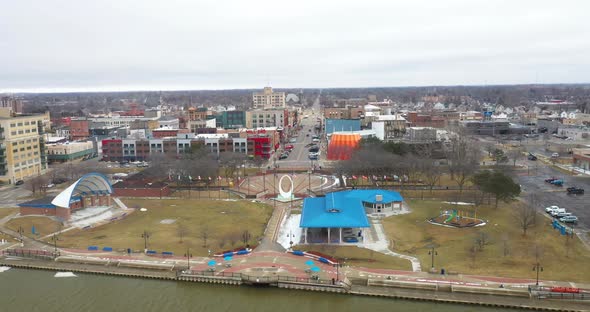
[268, 99]
[22, 145]
[253, 143]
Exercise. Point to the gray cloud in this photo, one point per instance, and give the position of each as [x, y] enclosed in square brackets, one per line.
[130, 44]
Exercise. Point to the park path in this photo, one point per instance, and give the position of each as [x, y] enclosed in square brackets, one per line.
[381, 245]
[269, 240]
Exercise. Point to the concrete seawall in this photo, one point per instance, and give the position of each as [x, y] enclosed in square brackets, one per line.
[387, 289]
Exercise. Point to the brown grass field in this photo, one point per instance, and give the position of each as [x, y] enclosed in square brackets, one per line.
[224, 223]
[507, 251]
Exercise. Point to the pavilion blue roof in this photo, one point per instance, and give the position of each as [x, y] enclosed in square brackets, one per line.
[342, 209]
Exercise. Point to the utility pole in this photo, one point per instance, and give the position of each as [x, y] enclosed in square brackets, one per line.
[54, 238]
[146, 236]
[20, 232]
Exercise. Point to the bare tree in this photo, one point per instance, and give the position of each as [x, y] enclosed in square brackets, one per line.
[431, 173]
[231, 162]
[505, 244]
[205, 235]
[482, 239]
[37, 184]
[246, 237]
[515, 154]
[526, 215]
[463, 158]
[182, 231]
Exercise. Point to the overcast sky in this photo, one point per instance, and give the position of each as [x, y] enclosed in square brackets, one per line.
[61, 45]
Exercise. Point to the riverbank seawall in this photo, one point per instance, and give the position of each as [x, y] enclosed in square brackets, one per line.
[406, 291]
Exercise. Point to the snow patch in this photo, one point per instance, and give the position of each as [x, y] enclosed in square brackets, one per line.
[65, 274]
[460, 203]
[290, 227]
[4, 269]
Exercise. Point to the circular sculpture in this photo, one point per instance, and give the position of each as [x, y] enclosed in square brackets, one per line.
[284, 194]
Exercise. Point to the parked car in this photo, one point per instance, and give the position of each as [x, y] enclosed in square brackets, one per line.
[314, 149]
[555, 155]
[557, 182]
[19, 182]
[551, 208]
[549, 180]
[50, 185]
[289, 147]
[575, 190]
[315, 140]
[59, 180]
[532, 157]
[293, 140]
[555, 212]
[563, 214]
[283, 156]
[569, 219]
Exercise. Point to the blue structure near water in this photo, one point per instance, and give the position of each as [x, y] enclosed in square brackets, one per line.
[345, 210]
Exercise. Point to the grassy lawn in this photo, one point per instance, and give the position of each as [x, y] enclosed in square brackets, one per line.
[43, 225]
[361, 257]
[223, 221]
[561, 258]
[7, 211]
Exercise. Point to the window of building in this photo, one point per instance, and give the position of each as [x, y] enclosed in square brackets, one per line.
[12, 132]
[20, 124]
[12, 125]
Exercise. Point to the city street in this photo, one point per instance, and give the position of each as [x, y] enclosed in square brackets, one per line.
[298, 158]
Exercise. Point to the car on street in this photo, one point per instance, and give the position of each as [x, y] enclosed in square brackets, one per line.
[283, 156]
[293, 140]
[315, 140]
[569, 219]
[19, 182]
[549, 180]
[575, 191]
[551, 208]
[532, 157]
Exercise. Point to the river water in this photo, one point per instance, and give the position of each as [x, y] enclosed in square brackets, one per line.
[29, 290]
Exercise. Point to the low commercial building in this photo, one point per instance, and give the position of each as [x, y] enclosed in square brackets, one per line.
[389, 127]
[581, 158]
[486, 127]
[63, 152]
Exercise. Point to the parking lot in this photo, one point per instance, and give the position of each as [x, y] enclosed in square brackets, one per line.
[533, 181]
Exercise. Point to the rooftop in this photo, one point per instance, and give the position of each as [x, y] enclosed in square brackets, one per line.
[342, 209]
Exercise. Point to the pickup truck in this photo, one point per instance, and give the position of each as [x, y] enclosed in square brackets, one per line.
[575, 191]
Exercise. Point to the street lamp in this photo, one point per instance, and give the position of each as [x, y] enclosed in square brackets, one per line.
[20, 232]
[146, 236]
[538, 268]
[432, 253]
[291, 236]
[188, 256]
[54, 238]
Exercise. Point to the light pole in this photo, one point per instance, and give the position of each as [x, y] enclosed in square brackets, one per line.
[146, 236]
[188, 256]
[54, 238]
[20, 232]
[432, 253]
[309, 181]
[291, 236]
[537, 268]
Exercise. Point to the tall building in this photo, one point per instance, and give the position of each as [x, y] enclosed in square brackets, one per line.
[268, 99]
[13, 103]
[22, 146]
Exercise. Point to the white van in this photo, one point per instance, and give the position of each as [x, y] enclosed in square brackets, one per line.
[551, 208]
